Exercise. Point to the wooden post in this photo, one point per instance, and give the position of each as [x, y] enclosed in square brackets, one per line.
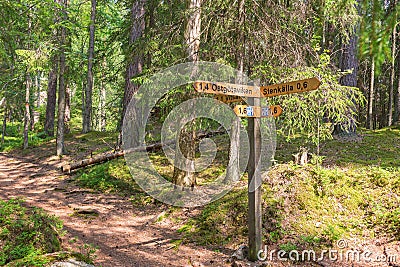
[254, 191]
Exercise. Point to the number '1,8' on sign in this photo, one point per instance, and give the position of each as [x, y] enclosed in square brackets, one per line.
[257, 112]
[290, 87]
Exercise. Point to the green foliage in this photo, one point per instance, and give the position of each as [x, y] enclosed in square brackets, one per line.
[14, 140]
[376, 27]
[288, 247]
[111, 177]
[314, 205]
[332, 203]
[87, 253]
[377, 148]
[26, 234]
[220, 222]
[340, 15]
[312, 113]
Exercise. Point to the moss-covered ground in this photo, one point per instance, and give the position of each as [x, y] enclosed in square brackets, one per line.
[354, 192]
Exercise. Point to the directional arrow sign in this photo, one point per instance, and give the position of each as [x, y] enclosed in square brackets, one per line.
[220, 88]
[290, 87]
[271, 111]
[228, 98]
[255, 111]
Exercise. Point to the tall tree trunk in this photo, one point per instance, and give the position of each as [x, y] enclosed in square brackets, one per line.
[3, 132]
[232, 172]
[52, 85]
[187, 137]
[393, 72]
[396, 116]
[32, 119]
[102, 102]
[149, 26]
[193, 31]
[61, 86]
[135, 66]
[370, 117]
[87, 112]
[51, 98]
[27, 115]
[348, 61]
[38, 89]
[67, 116]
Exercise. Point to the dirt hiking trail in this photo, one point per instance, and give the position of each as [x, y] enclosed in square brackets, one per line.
[125, 235]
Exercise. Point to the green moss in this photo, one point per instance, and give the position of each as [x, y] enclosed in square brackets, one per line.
[110, 177]
[26, 234]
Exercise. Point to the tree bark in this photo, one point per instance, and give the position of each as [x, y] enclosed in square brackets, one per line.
[393, 71]
[396, 108]
[134, 67]
[67, 116]
[38, 89]
[51, 98]
[52, 88]
[61, 87]
[115, 154]
[87, 112]
[193, 31]
[370, 117]
[27, 116]
[3, 132]
[184, 162]
[102, 102]
[349, 61]
[232, 172]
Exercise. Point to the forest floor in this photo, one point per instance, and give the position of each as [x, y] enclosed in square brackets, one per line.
[121, 233]
[114, 231]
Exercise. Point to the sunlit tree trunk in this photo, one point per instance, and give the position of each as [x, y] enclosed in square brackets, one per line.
[392, 77]
[61, 87]
[38, 89]
[134, 66]
[393, 70]
[3, 130]
[102, 102]
[370, 117]
[67, 116]
[348, 61]
[87, 112]
[51, 98]
[52, 87]
[27, 116]
[396, 116]
[187, 136]
[232, 172]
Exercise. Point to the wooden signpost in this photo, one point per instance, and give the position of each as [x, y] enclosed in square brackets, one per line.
[257, 112]
[254, 112]
[220, 88]
[290, 87]
[228, 98]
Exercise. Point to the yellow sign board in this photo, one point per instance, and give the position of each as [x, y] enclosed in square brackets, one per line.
[257, 112]
[220, 88]
[290, 87]
[228, 98]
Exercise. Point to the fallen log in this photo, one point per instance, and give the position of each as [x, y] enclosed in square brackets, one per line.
[96, 159]
[116, 154]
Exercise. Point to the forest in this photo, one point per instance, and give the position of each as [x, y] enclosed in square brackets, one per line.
[71, 72]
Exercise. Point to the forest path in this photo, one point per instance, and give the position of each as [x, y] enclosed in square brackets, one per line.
[125, 235]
